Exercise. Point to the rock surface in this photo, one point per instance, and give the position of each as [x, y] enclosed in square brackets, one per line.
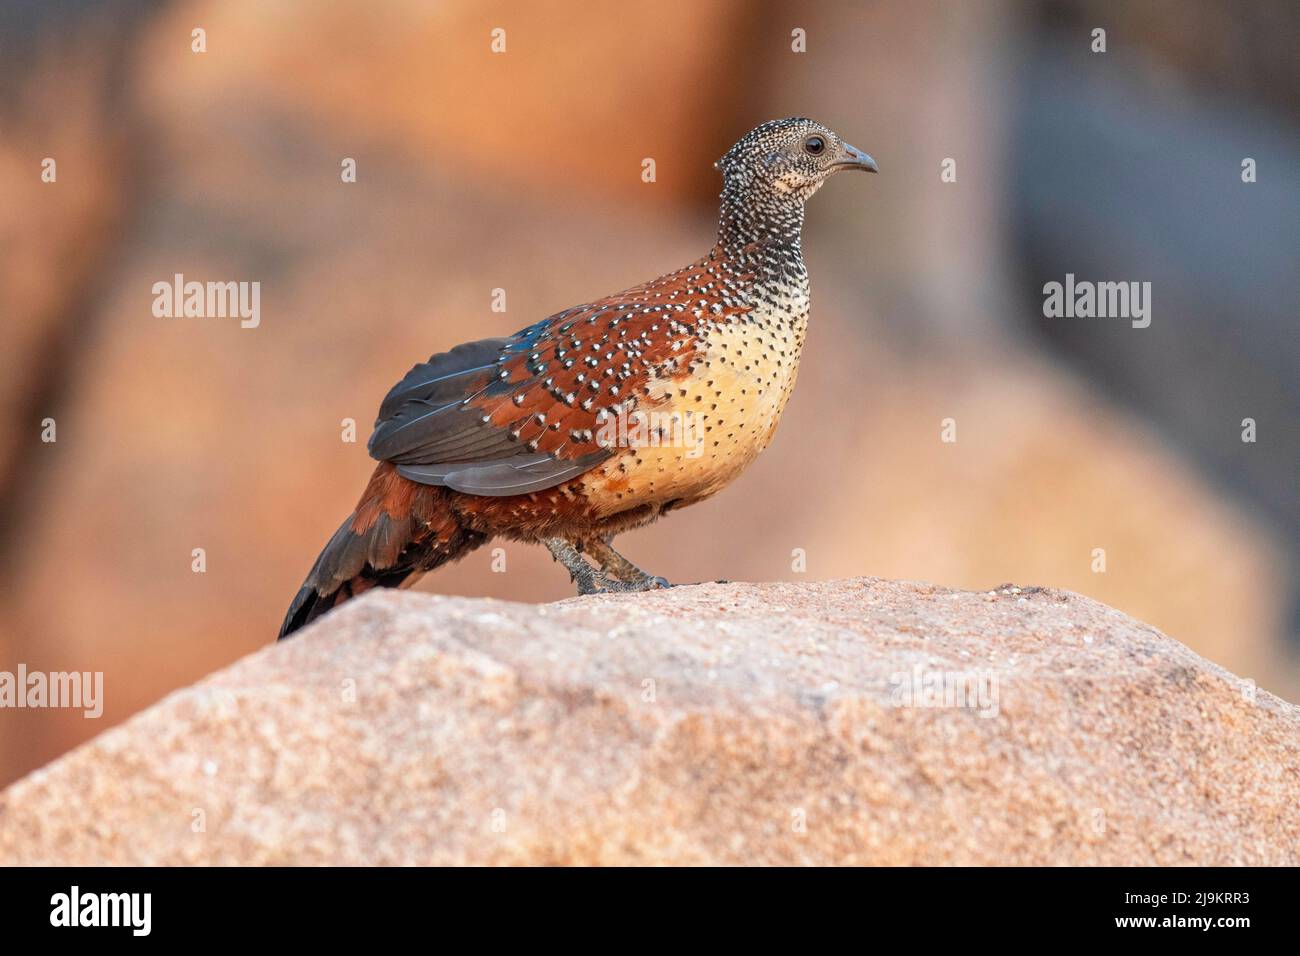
[711, 724]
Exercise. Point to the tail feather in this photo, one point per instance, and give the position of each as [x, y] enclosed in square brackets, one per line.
[399, 531]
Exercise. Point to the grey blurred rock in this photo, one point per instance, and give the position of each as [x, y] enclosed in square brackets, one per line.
[1125, 174]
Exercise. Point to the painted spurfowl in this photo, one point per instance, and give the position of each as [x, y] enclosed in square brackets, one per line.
[602, 417]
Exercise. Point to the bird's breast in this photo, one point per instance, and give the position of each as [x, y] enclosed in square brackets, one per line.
[694, 432]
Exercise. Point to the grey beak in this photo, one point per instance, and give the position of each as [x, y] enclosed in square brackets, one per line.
[855, 158]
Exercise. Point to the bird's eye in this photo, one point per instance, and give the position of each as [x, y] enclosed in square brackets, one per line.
[814, 145]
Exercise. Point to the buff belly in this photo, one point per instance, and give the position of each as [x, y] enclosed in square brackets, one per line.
[707, 426]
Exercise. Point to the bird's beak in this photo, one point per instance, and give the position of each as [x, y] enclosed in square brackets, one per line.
[855, 158]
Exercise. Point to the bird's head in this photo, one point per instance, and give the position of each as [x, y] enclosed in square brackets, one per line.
[788, 159]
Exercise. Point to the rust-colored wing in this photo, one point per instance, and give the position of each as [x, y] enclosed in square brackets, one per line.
[515, 415]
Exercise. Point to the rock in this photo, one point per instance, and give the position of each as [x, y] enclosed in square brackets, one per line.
[711, 724]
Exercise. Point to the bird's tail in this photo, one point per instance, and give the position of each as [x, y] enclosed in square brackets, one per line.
[398, 531]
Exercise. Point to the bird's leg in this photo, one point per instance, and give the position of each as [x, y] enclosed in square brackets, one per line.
[611, 562]
[588, 579]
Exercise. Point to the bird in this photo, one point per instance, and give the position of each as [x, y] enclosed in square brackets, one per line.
[603, 417]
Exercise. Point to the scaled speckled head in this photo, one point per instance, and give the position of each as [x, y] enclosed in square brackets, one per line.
[789, 157]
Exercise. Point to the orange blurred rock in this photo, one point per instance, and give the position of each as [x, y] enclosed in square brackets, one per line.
[538, 95]
[879, 723]
[62, 153]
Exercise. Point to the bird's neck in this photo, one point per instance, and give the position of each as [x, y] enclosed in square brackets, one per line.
[764, 234]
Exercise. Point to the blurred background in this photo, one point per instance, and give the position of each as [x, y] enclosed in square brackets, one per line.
[521, 170]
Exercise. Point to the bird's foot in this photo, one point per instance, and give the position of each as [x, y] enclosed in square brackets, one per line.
[592, 581]
[602, 583]
[613, 564]
[616, 575]
[648, 582]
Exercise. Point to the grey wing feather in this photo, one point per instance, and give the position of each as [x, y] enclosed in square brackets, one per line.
[423, 410]
[511, 476]
[426, 427]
